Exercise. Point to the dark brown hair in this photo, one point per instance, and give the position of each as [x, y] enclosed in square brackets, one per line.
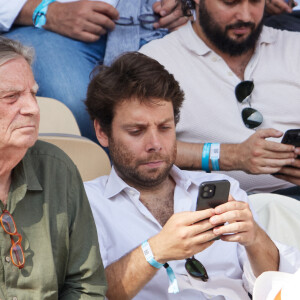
[132, 76]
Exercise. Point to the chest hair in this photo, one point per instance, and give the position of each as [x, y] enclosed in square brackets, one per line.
[162, 208]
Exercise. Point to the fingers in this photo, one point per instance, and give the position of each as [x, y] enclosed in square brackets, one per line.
[171, 15]
[165, 7]
[190, 218]
[171, 22]
[106, 9]
[101, 20]
[291, 174]
[277, 7]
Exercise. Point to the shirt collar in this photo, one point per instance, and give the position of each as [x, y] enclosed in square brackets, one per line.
[116, 185]
[190, 40]
[23, 179]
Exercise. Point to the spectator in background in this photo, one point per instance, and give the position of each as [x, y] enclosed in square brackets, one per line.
[49, 247]
[77, 36]
[242, 85]
[148, 201]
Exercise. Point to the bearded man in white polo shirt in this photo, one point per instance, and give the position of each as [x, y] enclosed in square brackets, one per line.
[147, 203]
[211, 58]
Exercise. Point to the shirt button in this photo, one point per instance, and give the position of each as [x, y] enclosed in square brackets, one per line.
[214, 59]
[7, 258]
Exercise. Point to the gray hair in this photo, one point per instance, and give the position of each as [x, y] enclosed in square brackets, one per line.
[10, 49]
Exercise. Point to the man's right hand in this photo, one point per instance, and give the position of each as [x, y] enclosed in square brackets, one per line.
[184, 235]
[81, 20]
[256, 155]
[275, 7]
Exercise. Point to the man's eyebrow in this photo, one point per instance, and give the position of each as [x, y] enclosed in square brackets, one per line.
[34, 89]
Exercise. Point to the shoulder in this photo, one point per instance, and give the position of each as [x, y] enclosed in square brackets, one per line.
[43, 153]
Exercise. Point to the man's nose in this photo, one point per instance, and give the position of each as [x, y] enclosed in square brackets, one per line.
[243, 13]
[29, 104]
[153, 141]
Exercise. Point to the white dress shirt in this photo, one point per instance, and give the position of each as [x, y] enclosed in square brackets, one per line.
[123, 223]
[211, 112]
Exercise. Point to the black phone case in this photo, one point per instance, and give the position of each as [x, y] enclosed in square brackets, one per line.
[292, 137]
[220, 196]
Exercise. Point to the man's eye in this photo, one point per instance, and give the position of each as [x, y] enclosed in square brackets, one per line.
[135, 132]
[10, 98]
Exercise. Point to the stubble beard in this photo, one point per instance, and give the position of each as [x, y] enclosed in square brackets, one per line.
[128, 168]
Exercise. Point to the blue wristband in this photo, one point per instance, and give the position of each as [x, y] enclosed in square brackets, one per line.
[149, 255]
[39, 14]
[214, 156]
[173, 286]
[205, 157]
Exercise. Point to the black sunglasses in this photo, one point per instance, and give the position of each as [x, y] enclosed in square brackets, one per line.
[196, 269]
[252, 118]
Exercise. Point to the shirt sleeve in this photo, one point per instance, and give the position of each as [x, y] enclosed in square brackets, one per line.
[85, 277]
[9, 10]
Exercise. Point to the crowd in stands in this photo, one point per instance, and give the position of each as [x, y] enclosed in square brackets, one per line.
[206, 99]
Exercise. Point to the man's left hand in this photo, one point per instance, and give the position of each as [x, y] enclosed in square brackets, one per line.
[171, 14]
[241, 227]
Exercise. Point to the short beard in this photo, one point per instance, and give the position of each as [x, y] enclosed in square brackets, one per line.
[220, 39]
[122, 161]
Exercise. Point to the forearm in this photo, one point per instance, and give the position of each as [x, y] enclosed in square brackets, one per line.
[263, 254]
[189, 156]
[25, 15]
[127, 276]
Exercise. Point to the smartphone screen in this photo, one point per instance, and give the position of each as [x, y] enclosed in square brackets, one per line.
[212, 194]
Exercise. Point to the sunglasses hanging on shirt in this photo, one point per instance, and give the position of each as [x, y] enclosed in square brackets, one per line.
[252, 118]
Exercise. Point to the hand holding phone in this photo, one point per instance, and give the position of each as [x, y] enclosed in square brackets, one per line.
[292, 137]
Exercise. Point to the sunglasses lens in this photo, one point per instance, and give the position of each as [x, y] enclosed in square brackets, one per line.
[124, 21]
[148, 18]
[251, 117]
[8, 223]
[17, 255]
[243, 90]
[196, 269]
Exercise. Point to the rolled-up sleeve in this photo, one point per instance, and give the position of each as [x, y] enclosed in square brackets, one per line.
[9, 10]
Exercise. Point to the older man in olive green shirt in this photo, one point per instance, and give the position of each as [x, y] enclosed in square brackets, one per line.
[48, 241]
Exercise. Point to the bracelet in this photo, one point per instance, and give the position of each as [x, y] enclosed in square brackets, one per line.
[39, 14]
[214, 156]
[205, 157]
[173, 285]
[149, 256]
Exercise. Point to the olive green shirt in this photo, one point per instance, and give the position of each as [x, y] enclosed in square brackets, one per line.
[51, 211]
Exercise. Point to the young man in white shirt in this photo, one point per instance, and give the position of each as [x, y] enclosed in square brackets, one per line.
[148, 203]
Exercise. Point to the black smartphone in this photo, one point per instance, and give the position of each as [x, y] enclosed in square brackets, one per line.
[292, 137]
[212, 194]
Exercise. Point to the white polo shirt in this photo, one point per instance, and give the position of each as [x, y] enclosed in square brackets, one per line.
[123, 223]
[211, 113]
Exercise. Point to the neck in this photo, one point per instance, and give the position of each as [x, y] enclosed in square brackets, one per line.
[237, 64]
[8, 160]
[160, 200]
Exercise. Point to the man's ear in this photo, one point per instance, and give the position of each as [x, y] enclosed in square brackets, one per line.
[101, 135]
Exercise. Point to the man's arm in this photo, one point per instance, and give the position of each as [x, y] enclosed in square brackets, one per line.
[241, 228]
[255, 155]
[180, 238]
[82, 20]
[84, 276]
